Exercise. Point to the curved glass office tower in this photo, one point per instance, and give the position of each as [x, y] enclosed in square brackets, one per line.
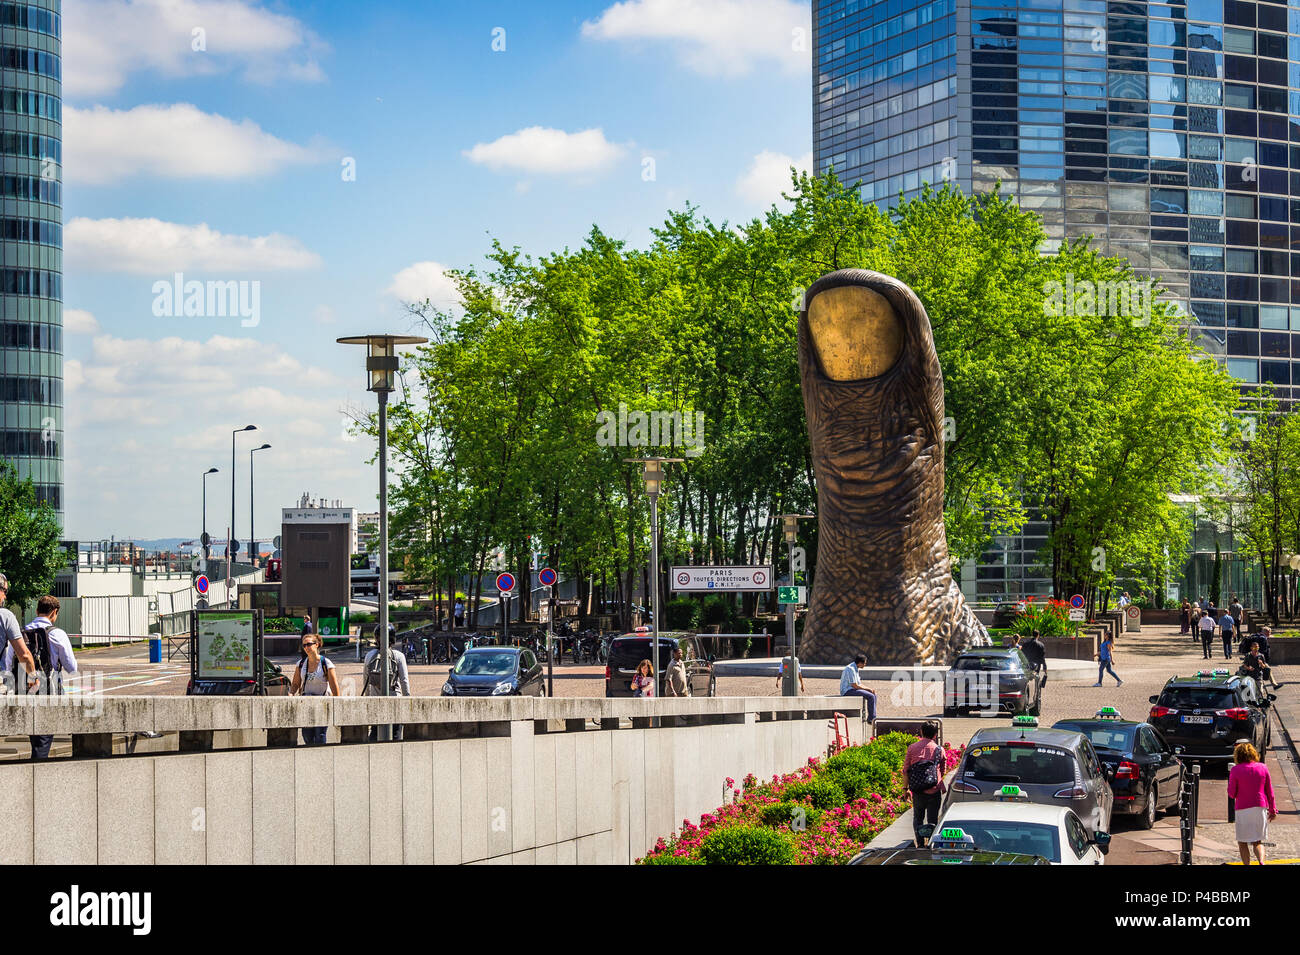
[1169, 131]
[31, 245]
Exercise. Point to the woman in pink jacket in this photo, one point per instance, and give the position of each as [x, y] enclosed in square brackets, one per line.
[1250, 785]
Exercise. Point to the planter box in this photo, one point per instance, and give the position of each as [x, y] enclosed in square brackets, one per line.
[1070, 648]
[1284, 651]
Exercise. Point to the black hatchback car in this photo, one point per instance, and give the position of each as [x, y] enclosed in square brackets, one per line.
[274, 683]
[1143, 772]
[1202, 717]
[496, 671]
[627, 651]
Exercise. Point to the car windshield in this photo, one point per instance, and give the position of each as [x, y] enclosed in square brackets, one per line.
[1004, 763]
[485, 664]
[1028, 838]
[987, 663]
[1198, 698]
[1116, 738]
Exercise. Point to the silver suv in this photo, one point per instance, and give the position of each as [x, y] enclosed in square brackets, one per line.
[1052, 767]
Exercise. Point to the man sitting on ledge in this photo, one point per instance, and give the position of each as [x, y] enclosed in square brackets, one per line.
[850, 686]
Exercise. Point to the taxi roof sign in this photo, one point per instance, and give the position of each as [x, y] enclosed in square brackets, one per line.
[1011, 791]
[1026, 721]
[1108, 713]
[953, 837]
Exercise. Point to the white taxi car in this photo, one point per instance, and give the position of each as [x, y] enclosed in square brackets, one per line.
[1010, 823]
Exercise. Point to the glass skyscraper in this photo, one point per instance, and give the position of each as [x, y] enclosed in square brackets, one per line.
[1169, 131]
[31, 245]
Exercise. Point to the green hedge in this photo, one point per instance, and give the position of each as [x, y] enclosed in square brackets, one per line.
[746, 845]
[787, 813]
[823, 793]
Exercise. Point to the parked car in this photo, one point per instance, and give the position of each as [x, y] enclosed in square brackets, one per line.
[1051, 767]
[496, 671]
[627, 651]
[275, 682]
[1144, 774]
[1010, 824]
[1202, 717]
[979, 679]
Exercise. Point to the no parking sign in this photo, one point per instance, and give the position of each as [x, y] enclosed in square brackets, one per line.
[505, 583]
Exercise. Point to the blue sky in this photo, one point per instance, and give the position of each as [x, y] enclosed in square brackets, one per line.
[215, 138]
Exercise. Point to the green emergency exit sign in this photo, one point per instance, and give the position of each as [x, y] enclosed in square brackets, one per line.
[791, 595]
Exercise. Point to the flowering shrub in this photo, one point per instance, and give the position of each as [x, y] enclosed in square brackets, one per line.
[1050, 620]
[821, 814]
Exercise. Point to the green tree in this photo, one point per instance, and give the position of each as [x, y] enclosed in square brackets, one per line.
[30, 554]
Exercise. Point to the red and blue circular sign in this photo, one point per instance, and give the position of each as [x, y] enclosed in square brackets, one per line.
[201, 584]
[1077, 601]
[547, 577]
[505, 583]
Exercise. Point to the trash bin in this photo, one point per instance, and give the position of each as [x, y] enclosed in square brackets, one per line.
[155, 649]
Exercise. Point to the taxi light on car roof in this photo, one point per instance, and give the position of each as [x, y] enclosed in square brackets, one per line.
[1108, 713]
[1010, 791]
[1028, 722]
[1220, 672]
[953, 834]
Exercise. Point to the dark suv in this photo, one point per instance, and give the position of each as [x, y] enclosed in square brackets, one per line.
[627, 651]
[1204, 716]
[987, 678]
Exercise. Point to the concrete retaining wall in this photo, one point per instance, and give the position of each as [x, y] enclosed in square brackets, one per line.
[539, 783]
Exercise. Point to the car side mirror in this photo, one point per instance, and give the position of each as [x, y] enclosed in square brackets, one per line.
[1152, 699]
[1102, 841]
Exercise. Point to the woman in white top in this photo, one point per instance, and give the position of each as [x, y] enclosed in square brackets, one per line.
[314, 676]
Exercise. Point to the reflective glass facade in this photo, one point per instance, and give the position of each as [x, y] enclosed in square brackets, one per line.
[1169, 131]
[31, 244]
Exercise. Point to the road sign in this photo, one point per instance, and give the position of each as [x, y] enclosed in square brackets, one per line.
[1077, 602]
[277, 542]
[505, 583]
[721, 578]
[1078, 614]
[547, 577]
[1133, 611]
[791, 595]
[201, 584]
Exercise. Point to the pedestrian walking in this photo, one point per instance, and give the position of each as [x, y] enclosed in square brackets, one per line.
[399, 682]
[1124, 600]
[459, 613]
[1036, 653]
[52, 652]
[1250, 786]
[1226, 625]
[1185, 615]
[314, 676]
[307, 626]
[923, 768]
[851, 685]
[675, 682]
[798, 672]
[1238, 613]
[643, 684]
[12, 635]
[1206, 623]
[1105, 657]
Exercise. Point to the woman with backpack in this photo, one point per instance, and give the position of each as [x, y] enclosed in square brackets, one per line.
[923, 768]
[314, 676]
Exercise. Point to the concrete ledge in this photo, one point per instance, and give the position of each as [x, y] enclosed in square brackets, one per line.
[132, 714]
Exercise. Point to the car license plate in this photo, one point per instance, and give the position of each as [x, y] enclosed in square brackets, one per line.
[1198, 719]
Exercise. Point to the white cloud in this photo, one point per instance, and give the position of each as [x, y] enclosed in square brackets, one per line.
[768, 176]
[176, 401]
[539, 149]
[425, 280]
[77, 321]
[324, 315]
[153, 247]
[177, 141]
[104, 41]
[715, 37]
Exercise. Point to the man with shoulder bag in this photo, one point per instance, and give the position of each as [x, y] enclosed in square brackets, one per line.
[923, 768]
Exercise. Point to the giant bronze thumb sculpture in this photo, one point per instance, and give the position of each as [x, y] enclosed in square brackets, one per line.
[873, 393]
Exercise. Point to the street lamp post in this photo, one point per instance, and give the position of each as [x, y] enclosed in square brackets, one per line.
[790, 527]
[205, 539]
[252, 528]
[654, 478]
[230, 533]
[382, 364]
